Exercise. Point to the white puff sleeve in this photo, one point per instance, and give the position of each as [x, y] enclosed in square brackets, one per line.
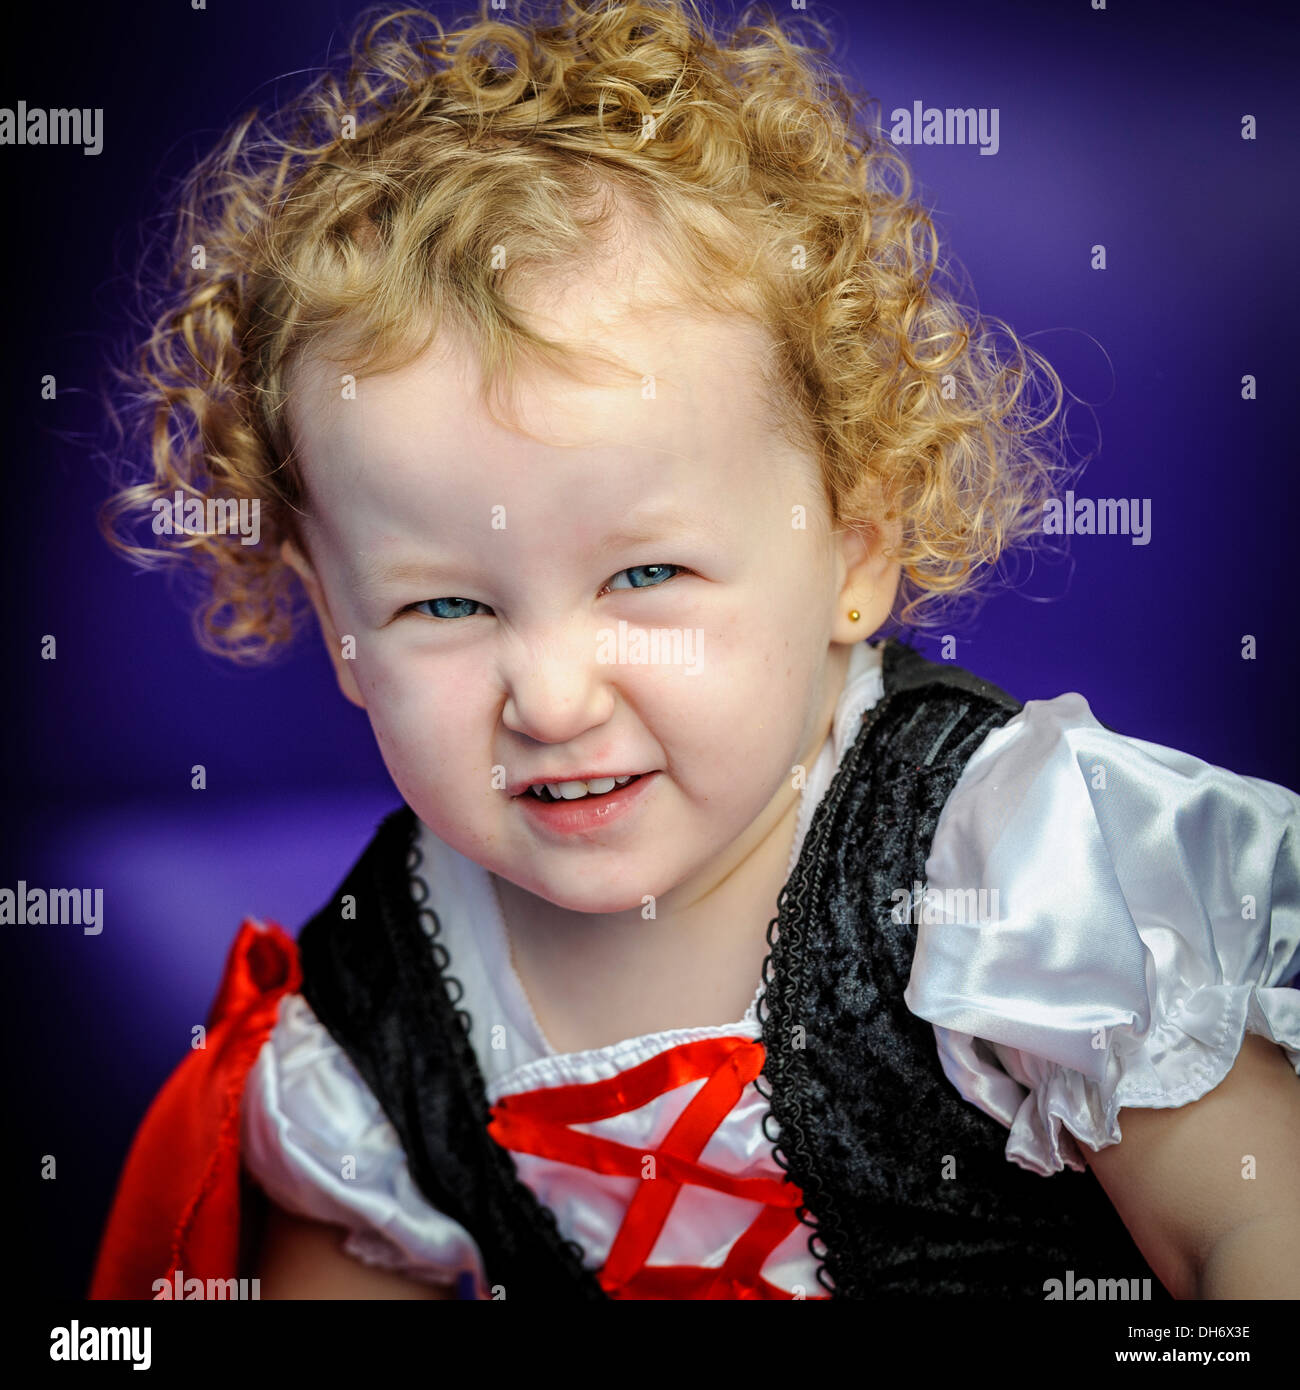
[1140, 915]
[305, 1109]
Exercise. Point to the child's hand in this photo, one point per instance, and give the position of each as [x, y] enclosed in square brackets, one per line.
[1211, 1223]
[305, 1259]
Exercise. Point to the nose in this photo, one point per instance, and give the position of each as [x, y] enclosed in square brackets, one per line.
[555, 688]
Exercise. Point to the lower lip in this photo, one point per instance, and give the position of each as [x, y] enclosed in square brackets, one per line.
[587, 813]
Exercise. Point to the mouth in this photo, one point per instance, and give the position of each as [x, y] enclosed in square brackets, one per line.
[589, 814]
[579, 789]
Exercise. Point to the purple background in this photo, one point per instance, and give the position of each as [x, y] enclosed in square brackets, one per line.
[1119, 127]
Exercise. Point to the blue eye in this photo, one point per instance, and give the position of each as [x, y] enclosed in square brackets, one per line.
[430, 602]
[658, 573]
[463, 607]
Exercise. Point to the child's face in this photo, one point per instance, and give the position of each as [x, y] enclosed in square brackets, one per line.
[483, 580]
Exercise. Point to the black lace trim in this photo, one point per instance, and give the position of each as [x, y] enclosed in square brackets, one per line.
[567, 1252]
[905, 672]
[790, 1147]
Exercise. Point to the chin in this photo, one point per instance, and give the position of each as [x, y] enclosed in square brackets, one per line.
[574, 894]
[593, 902]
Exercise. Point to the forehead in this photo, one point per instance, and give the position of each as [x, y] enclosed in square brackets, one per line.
[692, 417]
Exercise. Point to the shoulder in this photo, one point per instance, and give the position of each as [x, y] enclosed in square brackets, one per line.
[1054, 778]
[316, 1140]
[930, 717]
[1105, 918]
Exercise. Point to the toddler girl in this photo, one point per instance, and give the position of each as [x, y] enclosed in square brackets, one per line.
[590, 378]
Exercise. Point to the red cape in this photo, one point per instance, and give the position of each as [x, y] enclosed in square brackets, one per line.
[177, 1201]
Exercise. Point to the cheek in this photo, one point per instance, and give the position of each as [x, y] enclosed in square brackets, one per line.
[417, 719]
[743, 712]
[762, 686]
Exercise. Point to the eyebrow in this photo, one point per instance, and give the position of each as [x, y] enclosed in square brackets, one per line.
[638, 531]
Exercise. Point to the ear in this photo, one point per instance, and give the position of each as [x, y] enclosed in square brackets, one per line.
[870, 579]
[302, 567]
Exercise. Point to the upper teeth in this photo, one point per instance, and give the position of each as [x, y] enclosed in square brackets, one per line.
[570, 791]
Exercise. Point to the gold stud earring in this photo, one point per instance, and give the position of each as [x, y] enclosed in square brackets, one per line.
[854, 615]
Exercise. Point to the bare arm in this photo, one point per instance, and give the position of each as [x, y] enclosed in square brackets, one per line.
[305, 1259]
[1181, 1180]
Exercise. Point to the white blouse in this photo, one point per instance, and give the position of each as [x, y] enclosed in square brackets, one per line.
[1140, 913]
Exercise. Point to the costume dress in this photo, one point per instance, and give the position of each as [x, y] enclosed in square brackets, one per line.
[1102, 920]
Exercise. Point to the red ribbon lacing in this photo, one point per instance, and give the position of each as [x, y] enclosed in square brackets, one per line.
[537, 1122]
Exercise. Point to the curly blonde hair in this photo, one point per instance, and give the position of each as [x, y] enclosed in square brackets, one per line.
[364, 212]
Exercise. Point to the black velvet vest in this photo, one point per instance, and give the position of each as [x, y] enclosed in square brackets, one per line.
[906, 1185]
